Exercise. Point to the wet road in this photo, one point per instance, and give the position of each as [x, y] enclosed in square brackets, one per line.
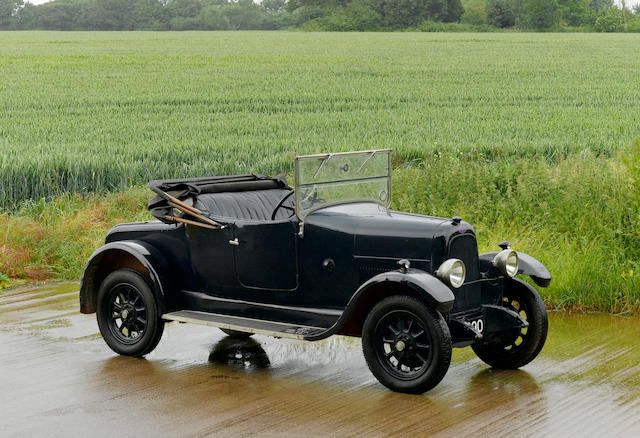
[58, 378]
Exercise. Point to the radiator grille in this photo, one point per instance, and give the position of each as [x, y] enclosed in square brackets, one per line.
[468, 296]
[464, 247]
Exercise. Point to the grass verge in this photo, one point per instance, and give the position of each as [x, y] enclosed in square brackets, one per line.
[579, 215]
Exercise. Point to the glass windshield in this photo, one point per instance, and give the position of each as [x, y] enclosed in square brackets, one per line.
[327, 179]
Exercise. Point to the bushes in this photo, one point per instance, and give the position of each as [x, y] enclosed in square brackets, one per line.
[475, 12]
[609, 20]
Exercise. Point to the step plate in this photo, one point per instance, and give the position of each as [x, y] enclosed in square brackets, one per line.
[238, 323]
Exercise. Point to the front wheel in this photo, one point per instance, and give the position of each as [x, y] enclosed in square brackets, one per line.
[406, 344]
[521, 345]
[128, 315]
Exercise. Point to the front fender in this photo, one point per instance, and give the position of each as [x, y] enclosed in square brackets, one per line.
[433, 291]
[527, 266]
[133, 254]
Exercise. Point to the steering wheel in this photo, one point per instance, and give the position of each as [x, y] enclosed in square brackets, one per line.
[280, 205]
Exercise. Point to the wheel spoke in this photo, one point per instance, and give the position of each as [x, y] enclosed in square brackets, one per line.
[141, 309]
[137, 326]
[422, 359]
[408, 329]
[393, 330]
[417, 335]
[141, 320]
[422, 346]
[387, 340]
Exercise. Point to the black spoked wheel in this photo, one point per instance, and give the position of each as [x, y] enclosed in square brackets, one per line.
[404, 345]
[407, 345]
[128, 315]
[519, 346]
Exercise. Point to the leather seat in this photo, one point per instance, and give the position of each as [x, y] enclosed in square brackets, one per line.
[250, 205]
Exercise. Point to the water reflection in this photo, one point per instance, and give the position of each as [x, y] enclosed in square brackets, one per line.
[241, 352]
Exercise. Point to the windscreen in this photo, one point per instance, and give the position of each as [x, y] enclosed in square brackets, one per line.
[328, 179]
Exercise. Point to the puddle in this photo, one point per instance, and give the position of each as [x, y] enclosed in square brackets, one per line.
[61, 377]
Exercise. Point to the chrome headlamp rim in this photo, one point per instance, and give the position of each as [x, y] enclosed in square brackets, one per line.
[453, 272]
[506, 261]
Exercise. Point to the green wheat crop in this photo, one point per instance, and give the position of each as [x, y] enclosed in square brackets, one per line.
[89, 111]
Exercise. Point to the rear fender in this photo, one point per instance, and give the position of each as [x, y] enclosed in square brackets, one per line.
[527, 266]
[125, 254]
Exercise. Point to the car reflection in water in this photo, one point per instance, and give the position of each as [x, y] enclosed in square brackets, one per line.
[241, 352]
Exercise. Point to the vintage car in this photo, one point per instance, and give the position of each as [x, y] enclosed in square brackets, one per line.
[250, 254]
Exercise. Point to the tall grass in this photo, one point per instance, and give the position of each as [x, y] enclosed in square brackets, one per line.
[91, 112]
[580, 216]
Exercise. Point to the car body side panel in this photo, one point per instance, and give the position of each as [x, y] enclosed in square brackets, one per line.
[266, 255]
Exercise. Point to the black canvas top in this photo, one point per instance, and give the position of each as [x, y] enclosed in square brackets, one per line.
[188, 189]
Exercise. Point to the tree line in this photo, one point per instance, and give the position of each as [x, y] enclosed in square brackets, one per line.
[332, 15]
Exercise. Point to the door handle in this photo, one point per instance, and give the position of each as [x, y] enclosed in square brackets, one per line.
[234, 242]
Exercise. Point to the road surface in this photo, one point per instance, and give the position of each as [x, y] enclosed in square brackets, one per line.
[58, 378]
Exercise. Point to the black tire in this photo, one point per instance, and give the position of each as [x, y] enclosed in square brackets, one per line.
[128, 314]
[236, 333]
[520, 346]
[406, 344]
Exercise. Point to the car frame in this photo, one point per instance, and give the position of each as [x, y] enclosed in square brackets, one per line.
[250, 254]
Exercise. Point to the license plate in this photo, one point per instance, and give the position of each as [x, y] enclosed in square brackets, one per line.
[478, 324]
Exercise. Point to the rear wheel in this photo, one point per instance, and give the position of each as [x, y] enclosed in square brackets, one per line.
[128, 315]
[521, 345]
[406, 344]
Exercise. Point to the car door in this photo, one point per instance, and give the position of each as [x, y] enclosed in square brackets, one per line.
[212, 257]
[265, 255]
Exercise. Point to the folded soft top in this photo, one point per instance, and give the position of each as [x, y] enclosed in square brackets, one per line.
[188, 189]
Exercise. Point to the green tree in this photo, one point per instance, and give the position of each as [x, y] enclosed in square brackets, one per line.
[244, 14]
[475, 12]
[540, 14]
[576, 12]
[9, 13]
[609, 20]
[500, 13]
[56, 15]
[599, 5]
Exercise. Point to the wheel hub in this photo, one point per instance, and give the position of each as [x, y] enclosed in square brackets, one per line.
[128, 313]
[404, 342]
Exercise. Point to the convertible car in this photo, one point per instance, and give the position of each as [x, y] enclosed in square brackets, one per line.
[250, 254]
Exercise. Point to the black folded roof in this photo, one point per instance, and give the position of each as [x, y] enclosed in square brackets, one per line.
[184, 188]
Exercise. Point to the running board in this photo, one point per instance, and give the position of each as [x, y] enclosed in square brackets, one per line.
[249, 325]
